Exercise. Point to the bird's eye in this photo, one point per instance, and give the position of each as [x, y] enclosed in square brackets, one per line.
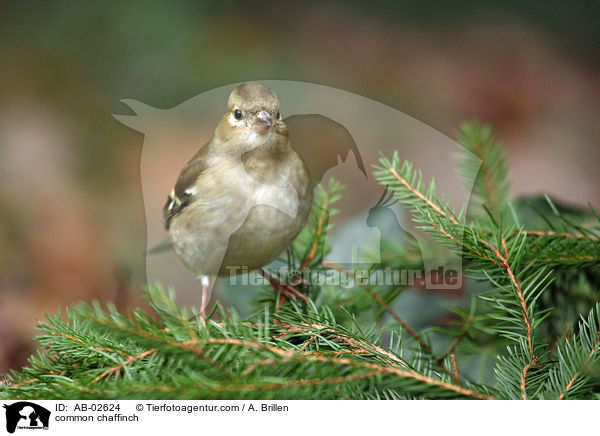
[237, 114]
[278, 115]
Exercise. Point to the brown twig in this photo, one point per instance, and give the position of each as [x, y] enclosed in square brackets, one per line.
[81, 341]
[460, 244]
[33, 380]
[122, 366]
[455, 365]
[358, 345]
[293, 383]
[382, 302]
[242, 342]
[320, 228]
[416, 192]
[577, 373]
[459, 338]
[404, 373]
[308, 342]
[561, 235]
[488, 180]
[524, 373]
[529, 330]
[440, 211]
[25, 382]
[517, 287]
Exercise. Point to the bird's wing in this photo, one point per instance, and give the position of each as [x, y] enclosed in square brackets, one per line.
[185, 187]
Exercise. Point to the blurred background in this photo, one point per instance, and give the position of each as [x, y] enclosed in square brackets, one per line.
[71, 206]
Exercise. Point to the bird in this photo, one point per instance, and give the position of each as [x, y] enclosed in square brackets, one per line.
[243, 197]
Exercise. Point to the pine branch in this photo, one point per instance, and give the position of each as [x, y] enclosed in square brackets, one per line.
[539, 268]
[485, 163]
[494, 257]
[99, 354]
[569, 376]
[425, 347]
[310, 245]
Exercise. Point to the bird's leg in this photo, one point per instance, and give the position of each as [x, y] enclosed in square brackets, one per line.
[204, 299]
[287, 290]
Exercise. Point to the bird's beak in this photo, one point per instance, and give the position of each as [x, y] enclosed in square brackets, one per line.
[262, 122]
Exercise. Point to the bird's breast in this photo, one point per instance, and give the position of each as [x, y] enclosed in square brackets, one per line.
[278, 213]
[242, 218]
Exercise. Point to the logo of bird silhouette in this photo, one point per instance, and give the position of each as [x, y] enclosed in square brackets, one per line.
[323, 124]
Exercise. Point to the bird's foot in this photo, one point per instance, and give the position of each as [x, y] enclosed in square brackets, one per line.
[286, 290]
[291, 293]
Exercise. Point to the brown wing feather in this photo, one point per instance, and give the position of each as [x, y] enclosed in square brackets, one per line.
[183, 192]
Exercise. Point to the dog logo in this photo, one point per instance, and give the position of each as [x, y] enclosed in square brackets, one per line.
[26, 415]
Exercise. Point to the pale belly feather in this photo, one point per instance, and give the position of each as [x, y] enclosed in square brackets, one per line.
[240, 229]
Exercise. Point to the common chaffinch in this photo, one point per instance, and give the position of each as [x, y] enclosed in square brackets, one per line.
[245, 195]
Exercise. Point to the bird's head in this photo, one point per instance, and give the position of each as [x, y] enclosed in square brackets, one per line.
[252, 118]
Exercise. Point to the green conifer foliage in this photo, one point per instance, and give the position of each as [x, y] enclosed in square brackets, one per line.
[534, 314]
